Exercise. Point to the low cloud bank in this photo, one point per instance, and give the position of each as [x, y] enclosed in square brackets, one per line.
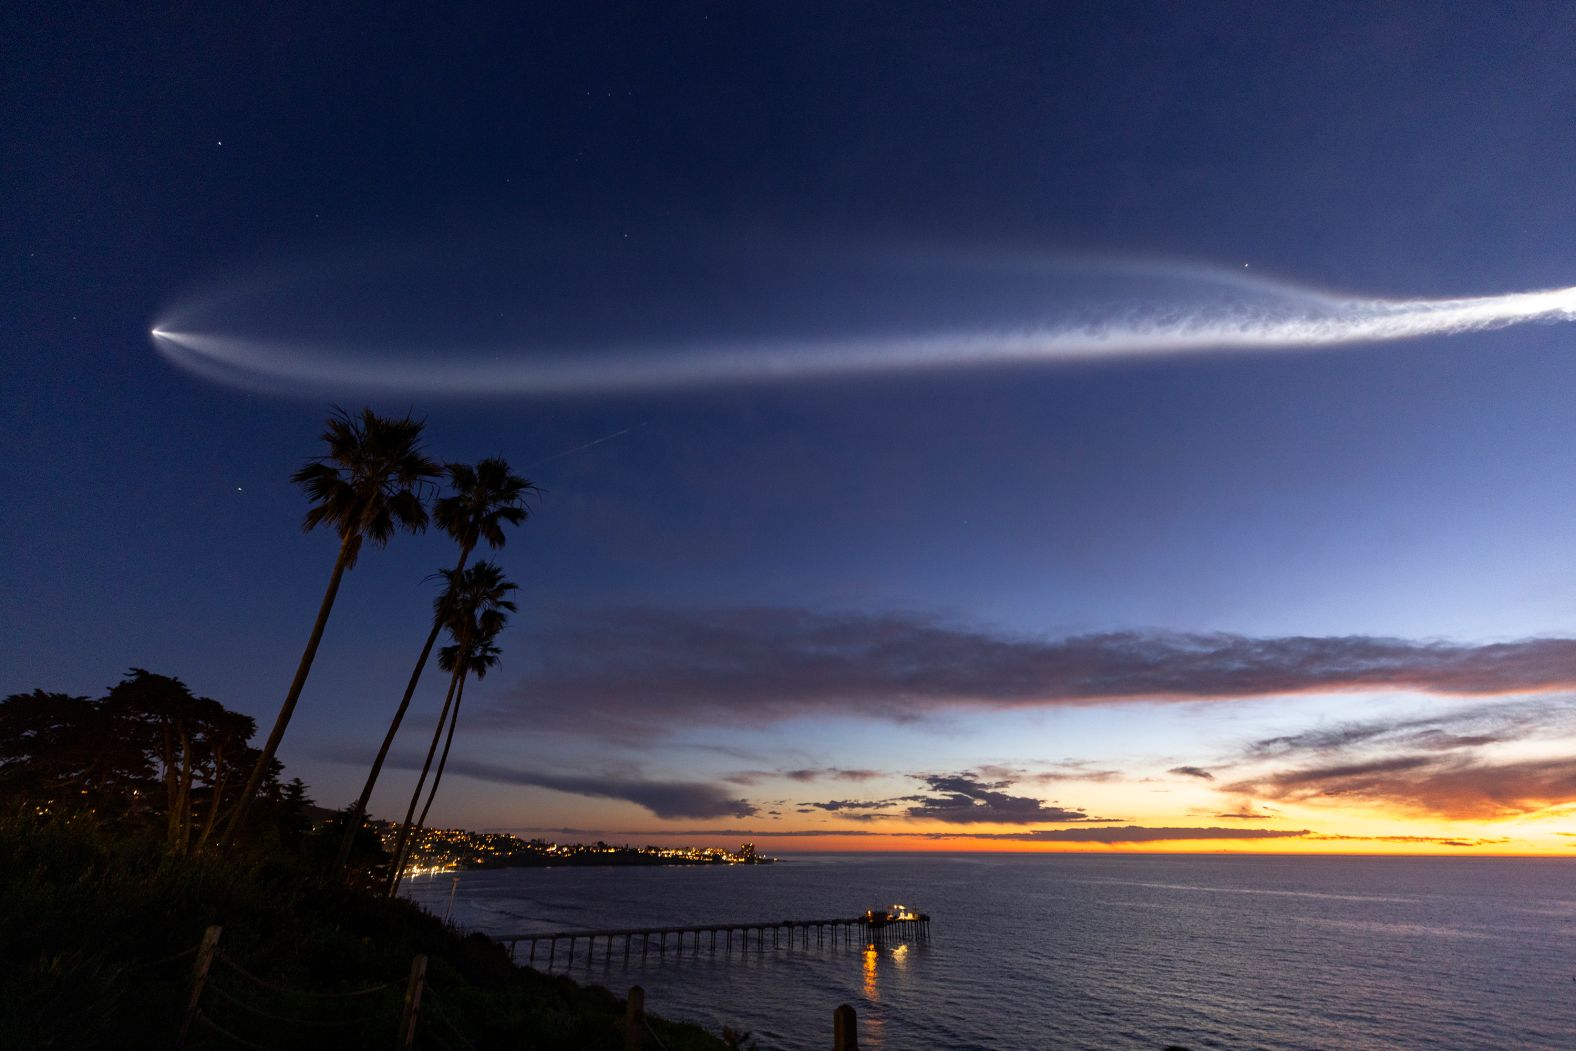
[1448, 787]
[1446, 765]
[956, 799]
[665, 799]
[631, 671]
[1122, 834]
[1129, 834]
[962, 799]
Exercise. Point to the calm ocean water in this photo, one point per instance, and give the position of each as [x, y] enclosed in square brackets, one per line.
[1091, 952]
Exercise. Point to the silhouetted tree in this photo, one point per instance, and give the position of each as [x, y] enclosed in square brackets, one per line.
[63, 754]
[474, 605]
[150, 756]
[482, 500]
[293, 821]
[195, 745]
[366, 487]
[229, 758]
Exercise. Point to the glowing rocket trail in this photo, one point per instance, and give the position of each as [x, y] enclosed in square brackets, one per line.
[1294, 318]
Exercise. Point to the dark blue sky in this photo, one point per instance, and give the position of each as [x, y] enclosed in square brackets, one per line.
[643, 162]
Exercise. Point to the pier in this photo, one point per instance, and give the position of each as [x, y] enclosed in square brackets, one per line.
[874, 928]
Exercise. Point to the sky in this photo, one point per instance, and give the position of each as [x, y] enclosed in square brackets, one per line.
[1081, 427]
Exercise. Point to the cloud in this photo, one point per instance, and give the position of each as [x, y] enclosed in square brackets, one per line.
[1122, 834]
[666, 799]
[831, 773]
[962, 799]
[629, 672]
[835, 805]
[1246, 813]
[1125, 834]
[1192, 771]
[1455, 729]
[1443, 841]
[1066, 770]
[957, 799]
[1349, 772]
[756, 833]
[1428, 783]
[803, 776]
[1441, 765]
[1129, 834]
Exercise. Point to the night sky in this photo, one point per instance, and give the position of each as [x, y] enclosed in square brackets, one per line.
[1258, 597]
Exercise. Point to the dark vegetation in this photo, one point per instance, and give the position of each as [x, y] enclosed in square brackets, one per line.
[105, 890]
[131, 822]
[97, 928]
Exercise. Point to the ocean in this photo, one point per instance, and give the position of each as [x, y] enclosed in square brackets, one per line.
[1087, 952]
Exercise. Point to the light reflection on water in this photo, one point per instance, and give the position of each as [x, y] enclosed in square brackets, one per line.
[1086, 953]
[872, 984]
[873, 1032]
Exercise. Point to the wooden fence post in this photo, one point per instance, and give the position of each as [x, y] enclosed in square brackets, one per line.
[205, 951]
[412, 1009]
[634, 1018]
[845, 1029]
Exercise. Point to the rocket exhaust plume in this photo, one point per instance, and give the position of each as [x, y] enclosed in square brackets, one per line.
[1252, 315]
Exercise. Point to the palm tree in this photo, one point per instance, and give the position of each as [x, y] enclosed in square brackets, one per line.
[484, 499]
[484, 656]
[366, 487]
[475, 605]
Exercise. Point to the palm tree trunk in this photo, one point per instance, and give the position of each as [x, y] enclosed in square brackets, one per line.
[402, 844]
[358, 813]
[443, 760]
[238, 815]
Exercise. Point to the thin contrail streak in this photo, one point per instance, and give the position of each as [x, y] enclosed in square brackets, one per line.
[1297, 319]
[582, 448]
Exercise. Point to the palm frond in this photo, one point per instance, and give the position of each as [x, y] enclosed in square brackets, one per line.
[482, 499]
[368, 484]
[474, 604]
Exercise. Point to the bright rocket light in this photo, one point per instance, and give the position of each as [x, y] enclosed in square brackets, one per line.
[1284, 317]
